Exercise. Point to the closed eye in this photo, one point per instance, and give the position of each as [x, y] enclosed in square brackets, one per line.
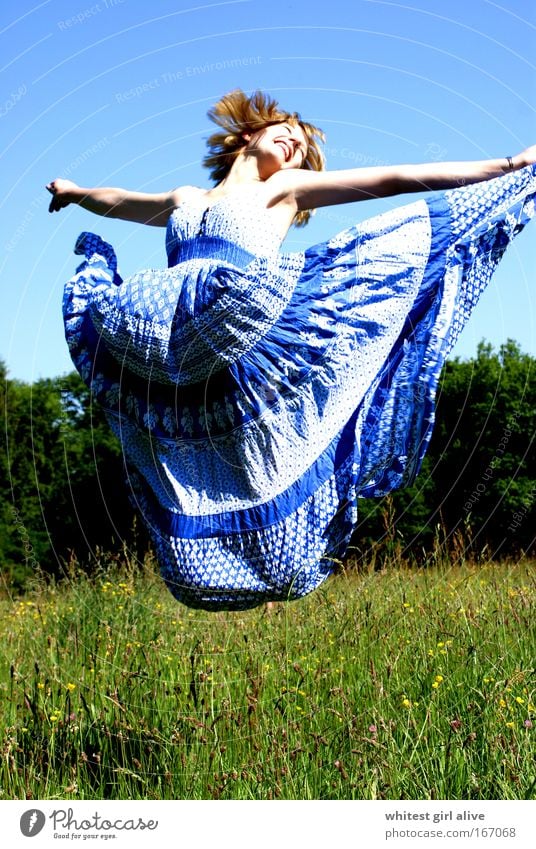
[299, 144]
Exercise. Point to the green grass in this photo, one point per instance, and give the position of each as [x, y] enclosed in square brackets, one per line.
[400, 684]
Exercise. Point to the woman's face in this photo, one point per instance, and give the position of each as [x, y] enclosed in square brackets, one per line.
[277, 147]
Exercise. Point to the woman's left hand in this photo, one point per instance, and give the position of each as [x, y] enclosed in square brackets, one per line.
[526, 157]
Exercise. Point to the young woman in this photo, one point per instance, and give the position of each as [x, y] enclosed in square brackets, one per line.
[258, 394]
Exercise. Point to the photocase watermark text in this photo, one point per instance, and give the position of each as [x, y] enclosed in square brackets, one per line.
[24, 537]
[487, 475]
[65, 819]
[12, 100]
[435, 152]
[360, 158]
[39, 201]
[179, 75]
[526, 503]
[87, 13]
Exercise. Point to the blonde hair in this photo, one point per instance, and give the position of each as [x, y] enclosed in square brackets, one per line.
[236, 114]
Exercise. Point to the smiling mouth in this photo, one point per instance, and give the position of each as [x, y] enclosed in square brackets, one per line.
[286, 147]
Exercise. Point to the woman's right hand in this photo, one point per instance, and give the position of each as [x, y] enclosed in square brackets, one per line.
[62, 192]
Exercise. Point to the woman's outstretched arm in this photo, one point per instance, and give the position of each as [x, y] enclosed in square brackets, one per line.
[312, 189]
[144, 208]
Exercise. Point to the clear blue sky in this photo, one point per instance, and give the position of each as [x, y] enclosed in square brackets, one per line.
[116, 92]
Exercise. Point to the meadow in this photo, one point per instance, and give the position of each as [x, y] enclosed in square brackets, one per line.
[398, 683]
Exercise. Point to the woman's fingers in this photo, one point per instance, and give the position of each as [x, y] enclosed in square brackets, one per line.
[52, 207]
[56, 203]
[60, 189]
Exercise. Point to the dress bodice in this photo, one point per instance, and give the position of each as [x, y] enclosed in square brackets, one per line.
[240, 218]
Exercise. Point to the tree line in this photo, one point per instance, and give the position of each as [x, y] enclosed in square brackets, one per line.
[63, 493]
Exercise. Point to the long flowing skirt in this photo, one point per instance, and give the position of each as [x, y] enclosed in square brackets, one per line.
[257, 399]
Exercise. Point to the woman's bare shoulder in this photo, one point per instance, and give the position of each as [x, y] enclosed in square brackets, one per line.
[184, 193]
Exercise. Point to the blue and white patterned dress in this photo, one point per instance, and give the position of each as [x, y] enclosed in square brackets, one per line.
[257, 394]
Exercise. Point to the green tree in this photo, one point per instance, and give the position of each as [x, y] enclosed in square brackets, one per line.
[61, 486]
[30, 425]
[479, 476]
[91, 508]
[484, 445]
